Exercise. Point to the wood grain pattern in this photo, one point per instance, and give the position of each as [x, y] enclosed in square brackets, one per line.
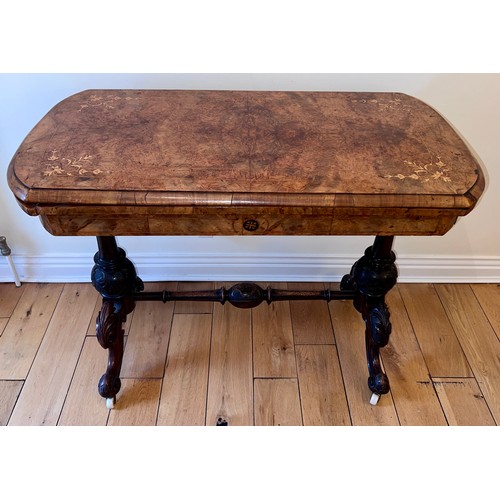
[50, 375]
[349, 334]
[137, 404]
[9, 391]
[194, 307]
[184, 392]
[462, 402]
[24, 333]
[3, 324]
[413, 393]
[310, 319]
[322, 392]
[227, 223]
[439, 344]
[273, 351]
[9, 296]
[477, 338]
[148, 337]
[230, 387]
[277, 402]
[370, 157]
[488, 295]
[97, 307]
[83, 405]
[249, 141]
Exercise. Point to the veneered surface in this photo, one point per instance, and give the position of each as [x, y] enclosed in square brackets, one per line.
[351, 163]
[245, 142]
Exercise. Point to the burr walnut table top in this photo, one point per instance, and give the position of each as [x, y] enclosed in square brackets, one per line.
[111, 162]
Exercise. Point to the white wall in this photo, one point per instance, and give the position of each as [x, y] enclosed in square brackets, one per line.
[469, 252]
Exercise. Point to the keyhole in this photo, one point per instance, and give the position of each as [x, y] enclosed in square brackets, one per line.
[250, 225]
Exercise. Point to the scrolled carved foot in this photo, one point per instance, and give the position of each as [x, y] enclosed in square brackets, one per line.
[379, 384]
[109, 386]
[110, 335]
[378, 329]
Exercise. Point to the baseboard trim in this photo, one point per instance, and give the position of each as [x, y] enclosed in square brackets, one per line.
[76, 268]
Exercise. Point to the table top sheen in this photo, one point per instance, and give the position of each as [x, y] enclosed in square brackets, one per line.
[169, 147]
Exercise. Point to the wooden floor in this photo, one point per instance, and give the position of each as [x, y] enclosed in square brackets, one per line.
[297, 363]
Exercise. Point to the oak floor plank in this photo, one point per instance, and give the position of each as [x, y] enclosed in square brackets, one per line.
[84, 405]
[193, 307]
[26, 328]
[277, 402]
[310, 318]
[97, 307]
[488, 295]
[46, 386]
[349, 331]
[414, 397]
[478, 340]
[137, 403]
[321, 386]
[273, 347]
[3, 324]
[148, 338]
[184, 392]
[437, 340]
[462, 402]
[230, 386]
[9, 296]
[9, 391]
[61, 383]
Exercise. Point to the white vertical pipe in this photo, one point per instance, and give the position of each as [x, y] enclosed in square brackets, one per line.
[13, 269]
[5, 250]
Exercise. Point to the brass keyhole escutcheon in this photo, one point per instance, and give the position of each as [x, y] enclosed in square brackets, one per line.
[251, 225]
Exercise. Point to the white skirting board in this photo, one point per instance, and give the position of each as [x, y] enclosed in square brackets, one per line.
[271, 267]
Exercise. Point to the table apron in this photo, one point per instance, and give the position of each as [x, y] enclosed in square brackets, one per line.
[306, 221]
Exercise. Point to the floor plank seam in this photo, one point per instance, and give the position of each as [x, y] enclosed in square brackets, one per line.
[46, 329]
[343, 383]
[422, 352]
[15, 403]
[253, 368]
[453, 328]
[276, 378]
[296, 366]
[457, 405]
[71, 381]
[39, 345]
[209, 364]
[415, 333]
[463, 350]
[485, 314]
[164, 365]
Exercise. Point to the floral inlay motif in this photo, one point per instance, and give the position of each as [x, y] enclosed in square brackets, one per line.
[70, 166]
[437, 171]
[387, 104]
[106, 102]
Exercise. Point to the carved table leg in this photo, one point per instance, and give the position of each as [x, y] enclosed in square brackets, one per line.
[114, 277]
[371, 278]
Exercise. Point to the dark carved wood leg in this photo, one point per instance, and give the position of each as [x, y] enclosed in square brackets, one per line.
[371, 278]
[114, 277]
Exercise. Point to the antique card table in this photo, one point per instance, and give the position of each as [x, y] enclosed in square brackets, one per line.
[107, 163]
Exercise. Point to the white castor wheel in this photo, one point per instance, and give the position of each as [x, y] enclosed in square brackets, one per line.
[110, 403]
[374, 398]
